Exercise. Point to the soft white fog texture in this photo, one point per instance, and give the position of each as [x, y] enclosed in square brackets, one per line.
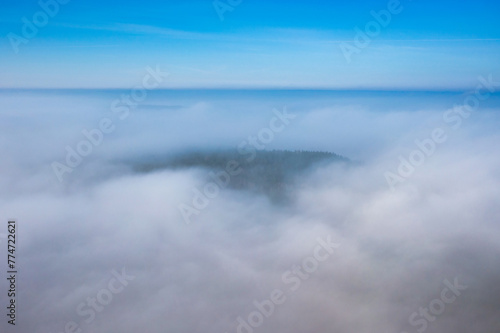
[108, 250]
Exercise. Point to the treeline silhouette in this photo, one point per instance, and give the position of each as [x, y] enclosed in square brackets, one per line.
[269, 172]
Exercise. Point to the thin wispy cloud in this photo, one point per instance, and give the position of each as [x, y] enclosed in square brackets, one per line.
[138, 29]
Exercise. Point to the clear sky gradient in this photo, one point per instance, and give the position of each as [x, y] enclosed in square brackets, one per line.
[259, 43]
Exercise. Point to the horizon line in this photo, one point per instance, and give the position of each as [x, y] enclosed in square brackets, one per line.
[200, 88]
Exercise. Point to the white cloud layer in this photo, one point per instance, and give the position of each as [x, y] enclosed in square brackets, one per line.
[397, 247]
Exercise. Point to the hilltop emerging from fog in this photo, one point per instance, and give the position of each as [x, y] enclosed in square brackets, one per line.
[267, 172]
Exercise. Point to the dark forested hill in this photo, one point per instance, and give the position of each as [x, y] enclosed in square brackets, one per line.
[268, 172]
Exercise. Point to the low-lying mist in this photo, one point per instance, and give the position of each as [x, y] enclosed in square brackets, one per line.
[356, 213]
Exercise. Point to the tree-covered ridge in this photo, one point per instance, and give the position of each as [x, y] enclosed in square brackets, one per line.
[268, 172]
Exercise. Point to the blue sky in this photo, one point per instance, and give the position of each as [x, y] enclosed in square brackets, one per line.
[278, 44]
